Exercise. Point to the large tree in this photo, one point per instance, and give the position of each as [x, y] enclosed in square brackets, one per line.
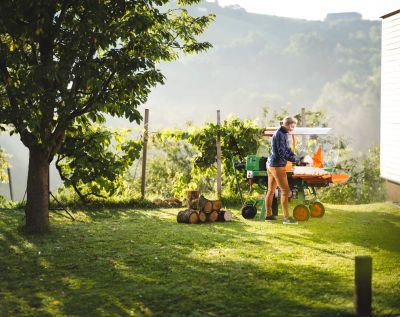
[66, 62]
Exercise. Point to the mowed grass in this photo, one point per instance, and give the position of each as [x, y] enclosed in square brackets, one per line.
[143, 263]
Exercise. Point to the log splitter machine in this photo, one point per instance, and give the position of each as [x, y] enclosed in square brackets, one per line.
[303, 180]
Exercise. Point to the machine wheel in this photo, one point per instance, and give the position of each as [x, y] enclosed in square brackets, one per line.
[317, 210]
[249, 211]
[301, 213]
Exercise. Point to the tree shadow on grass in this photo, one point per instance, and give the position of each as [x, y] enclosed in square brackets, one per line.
[371, 230]
[147, 265]
[100, 214]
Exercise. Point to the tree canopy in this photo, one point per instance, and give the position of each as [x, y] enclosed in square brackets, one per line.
[93, 160]
[62, 61]
[66, 63]
[3, 165]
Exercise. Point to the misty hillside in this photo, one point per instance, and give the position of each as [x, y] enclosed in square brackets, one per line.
[257, 61]
[260, 60]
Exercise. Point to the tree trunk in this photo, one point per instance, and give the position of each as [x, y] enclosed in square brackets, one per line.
[37, 205]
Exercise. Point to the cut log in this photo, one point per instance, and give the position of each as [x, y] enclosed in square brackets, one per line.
[175, 202]
[207, 207]
[216, 205]
[201, 203]
[204, 204]
[212, 216]
[193, 204]
[224, 215]
[202, 216]
[187, 216]
[192, 195]
[179, 216]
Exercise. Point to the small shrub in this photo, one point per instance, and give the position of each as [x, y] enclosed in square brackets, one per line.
[365, 185]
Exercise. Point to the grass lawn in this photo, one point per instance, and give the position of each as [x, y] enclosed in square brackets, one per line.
[142, 263]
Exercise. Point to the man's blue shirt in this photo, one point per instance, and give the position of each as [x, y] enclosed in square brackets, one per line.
[280, 149]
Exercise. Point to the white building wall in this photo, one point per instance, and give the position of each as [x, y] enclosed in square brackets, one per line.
[390, 99]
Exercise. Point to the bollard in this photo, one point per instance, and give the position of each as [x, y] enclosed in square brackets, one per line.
[363, 286]
[10, 184]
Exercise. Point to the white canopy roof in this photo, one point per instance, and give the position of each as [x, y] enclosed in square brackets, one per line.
[301, 131]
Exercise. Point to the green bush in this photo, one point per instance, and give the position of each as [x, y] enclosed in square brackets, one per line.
[93, 160]
[3, 166]
[100, 161]
[169, 169]
[184, 160]
[365, 185]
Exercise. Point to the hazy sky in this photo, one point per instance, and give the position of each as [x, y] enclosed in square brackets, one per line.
[316, 9]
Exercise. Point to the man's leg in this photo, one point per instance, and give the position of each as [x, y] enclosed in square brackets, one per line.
[283, 184]
[271, 192]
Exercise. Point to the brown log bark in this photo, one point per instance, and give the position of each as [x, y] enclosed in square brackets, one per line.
[201, 203]
[204, 204]
[192, 195]
[212, 216]
[179, 216]
[224, 215]
[173, 202]
[188, 216]
[37, 205]
[194, 204]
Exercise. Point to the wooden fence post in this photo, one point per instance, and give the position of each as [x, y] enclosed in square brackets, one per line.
[303, 124]
[218, 144]
[144, 156]
[10, 184]
[363, 286]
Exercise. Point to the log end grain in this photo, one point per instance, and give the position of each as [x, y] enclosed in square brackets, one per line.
[202, 216]
[224, 215]
[212, 216]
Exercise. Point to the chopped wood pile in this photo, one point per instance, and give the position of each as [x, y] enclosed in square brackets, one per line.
[170, 202]
[192, 216]
[201, 209]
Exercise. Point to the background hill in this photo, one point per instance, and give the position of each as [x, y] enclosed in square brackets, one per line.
[263, 61]
[260, 60]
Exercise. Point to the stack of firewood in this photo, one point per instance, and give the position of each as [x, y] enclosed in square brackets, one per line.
[172, 202]
[201, 209]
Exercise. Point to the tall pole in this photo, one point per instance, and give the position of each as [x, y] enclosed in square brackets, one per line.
[144, 156]
[303, 124]
[218, 143]
[10, 183]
